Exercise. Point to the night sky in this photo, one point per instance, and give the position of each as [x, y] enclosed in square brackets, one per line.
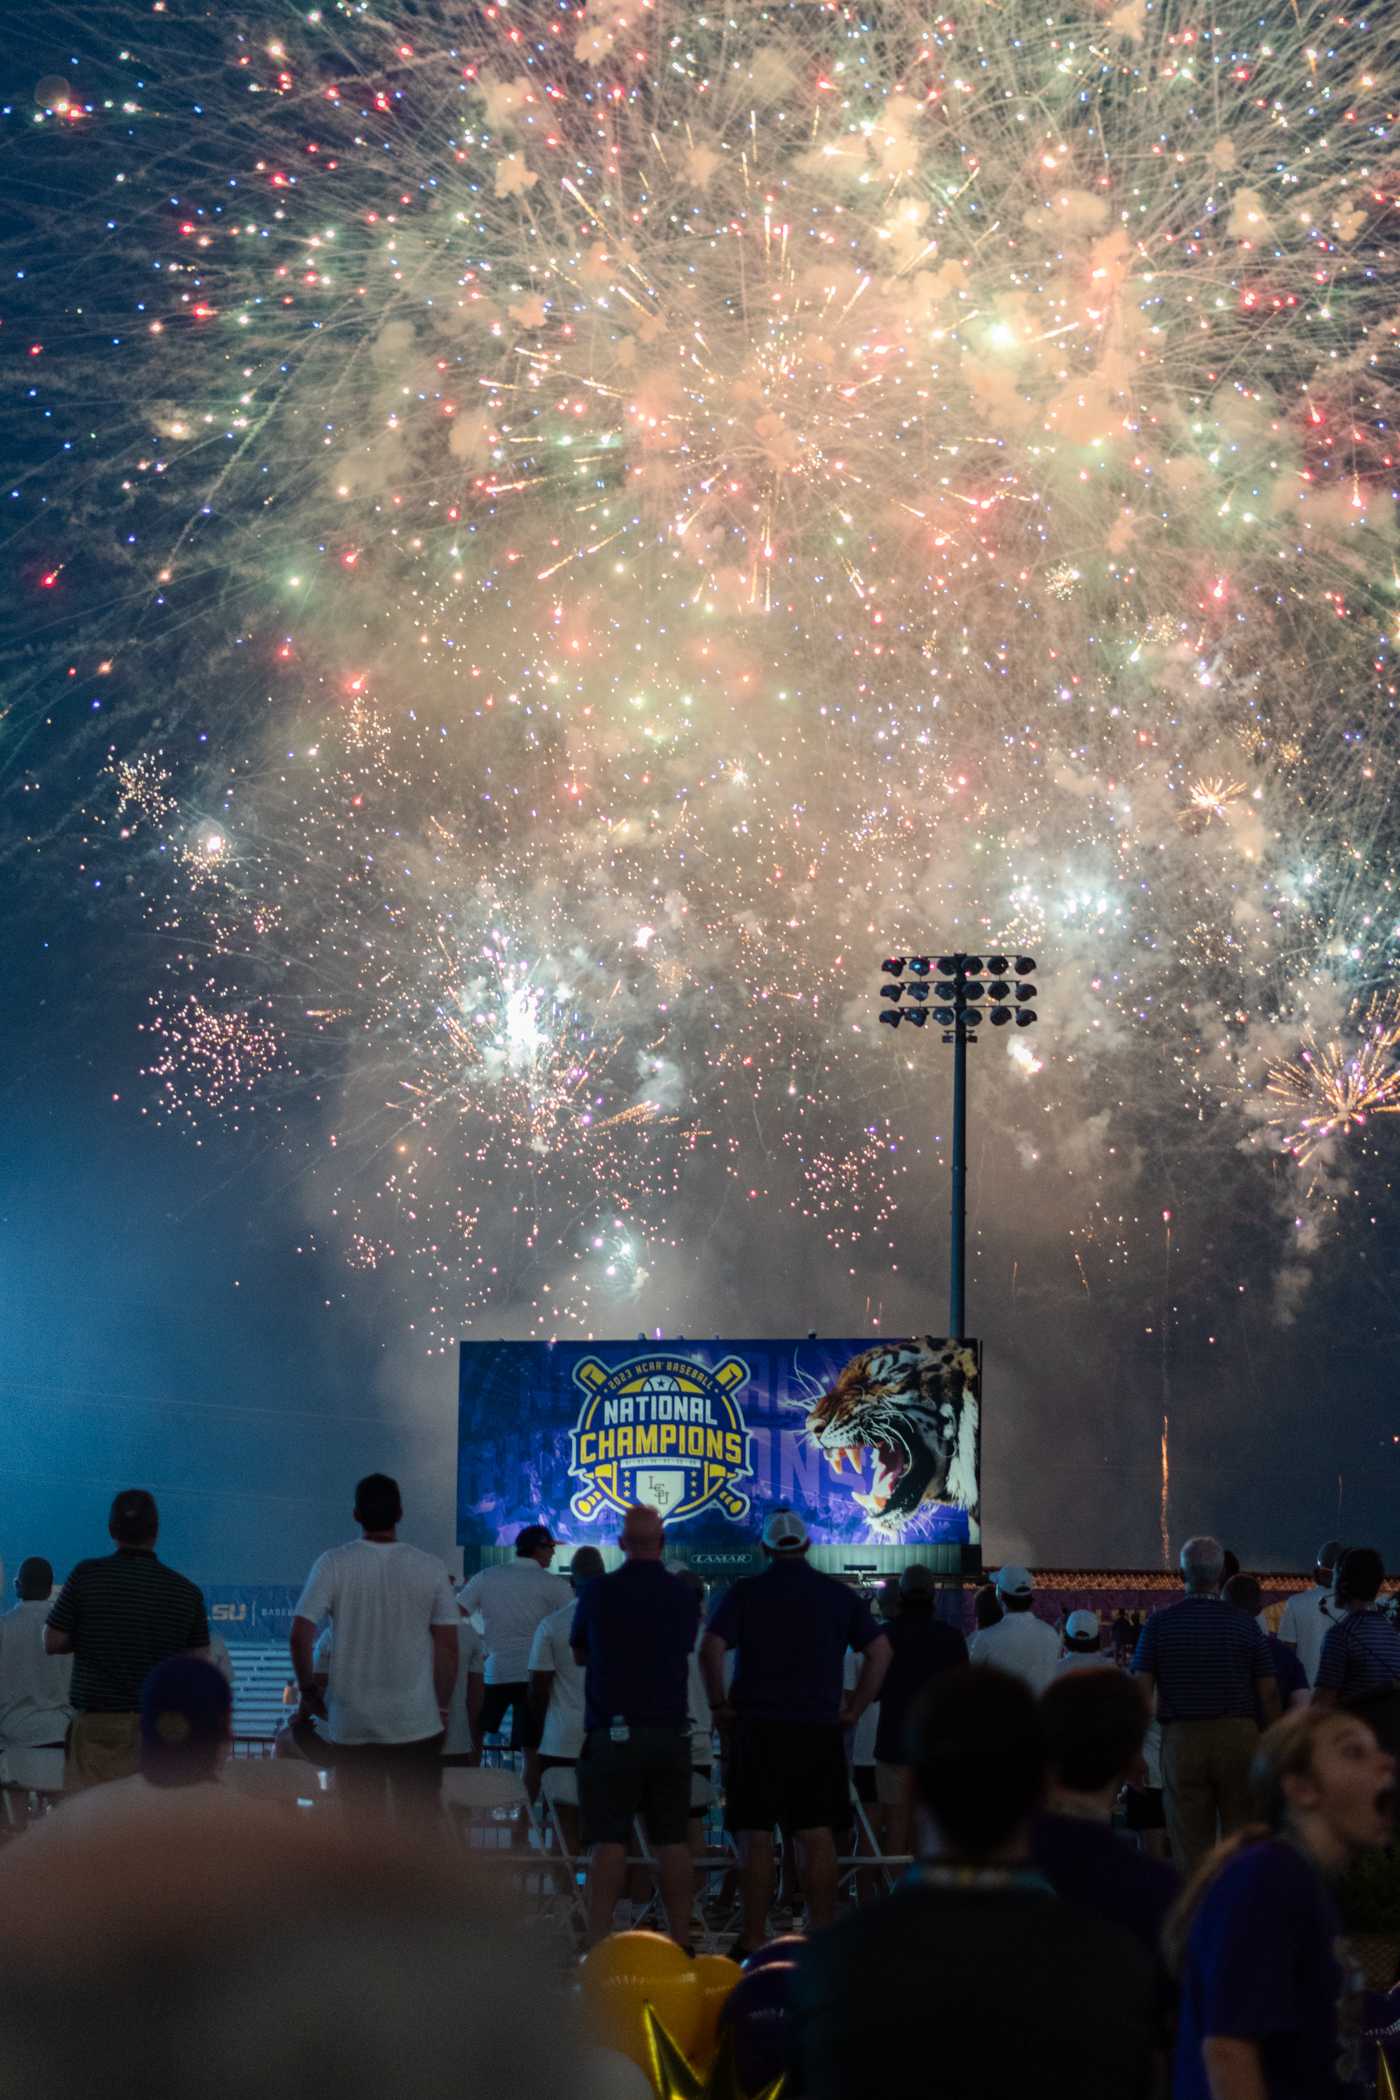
[160, 1327]
[182, 1303]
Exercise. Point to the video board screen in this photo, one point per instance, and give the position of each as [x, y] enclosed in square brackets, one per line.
[872, 1441]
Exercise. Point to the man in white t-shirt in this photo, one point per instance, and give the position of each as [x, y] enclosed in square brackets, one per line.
[1309, 1617]
[393, 1663]
[463, 1744]
[510, 1599]
[556, 1685]
[35, 1687]
[1019, 1642]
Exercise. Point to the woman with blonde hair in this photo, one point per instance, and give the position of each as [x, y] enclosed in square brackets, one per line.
[1264, 1998]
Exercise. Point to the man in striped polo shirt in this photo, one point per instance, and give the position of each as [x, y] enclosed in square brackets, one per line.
[118, 1617]
[1207, 1664]
[1359, 1667]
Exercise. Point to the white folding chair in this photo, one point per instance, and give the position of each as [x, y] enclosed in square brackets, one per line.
[706, 1937]
[868, 1855]
[559, 1788]
[294, 1783]
[480, 1792]
[568, 1869]
[31, 1780]
[38, 1771]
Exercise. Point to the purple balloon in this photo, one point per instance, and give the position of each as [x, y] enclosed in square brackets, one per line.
[756, 2014]
[786, 1947]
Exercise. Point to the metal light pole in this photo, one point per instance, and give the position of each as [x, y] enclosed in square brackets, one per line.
[961, 984]
[957, 1241]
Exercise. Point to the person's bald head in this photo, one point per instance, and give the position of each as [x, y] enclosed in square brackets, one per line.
[642, 1533]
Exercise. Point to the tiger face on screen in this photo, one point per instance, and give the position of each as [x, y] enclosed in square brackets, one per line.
[915, 1405]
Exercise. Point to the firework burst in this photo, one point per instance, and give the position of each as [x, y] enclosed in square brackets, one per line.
[1209, 798]
[1335, 1087]
[631, 512]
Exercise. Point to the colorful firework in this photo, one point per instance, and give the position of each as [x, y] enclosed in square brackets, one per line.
[1334, 1087]
[631, 512]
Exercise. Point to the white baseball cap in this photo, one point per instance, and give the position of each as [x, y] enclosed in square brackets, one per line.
[1014, 1582]
[784, 1532]
[1082, 1626]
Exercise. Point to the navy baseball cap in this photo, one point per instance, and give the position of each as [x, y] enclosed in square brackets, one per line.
[185, 1707]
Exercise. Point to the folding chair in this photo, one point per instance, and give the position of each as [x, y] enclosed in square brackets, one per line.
[470, 1791]
[567, 1868]
[294, 1783]
[868, 1855]
[705, 1936]
[31, 1780]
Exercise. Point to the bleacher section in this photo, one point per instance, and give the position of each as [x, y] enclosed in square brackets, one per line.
[261, 1671]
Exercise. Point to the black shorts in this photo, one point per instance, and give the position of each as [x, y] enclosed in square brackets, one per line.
[864, 1779]
[648, 1775]
[791, 1774]
[500, 1699]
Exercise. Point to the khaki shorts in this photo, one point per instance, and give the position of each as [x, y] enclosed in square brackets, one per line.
[101, 1747]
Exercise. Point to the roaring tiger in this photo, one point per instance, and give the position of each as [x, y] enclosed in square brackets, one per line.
[915, 1404]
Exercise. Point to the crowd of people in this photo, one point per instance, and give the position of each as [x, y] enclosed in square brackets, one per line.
[1116, 1857]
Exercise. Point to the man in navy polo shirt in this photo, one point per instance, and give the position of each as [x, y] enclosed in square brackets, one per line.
[1214, 1679]
[1244, 1592]
[633, 1632]
[1359, 1666]
[785, 1759]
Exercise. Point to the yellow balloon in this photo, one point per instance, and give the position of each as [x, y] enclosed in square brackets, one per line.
[717, 1975]
[631, 1970]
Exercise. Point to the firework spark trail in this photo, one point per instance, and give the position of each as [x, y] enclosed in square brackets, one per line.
[640, 510]
[1164, 1506]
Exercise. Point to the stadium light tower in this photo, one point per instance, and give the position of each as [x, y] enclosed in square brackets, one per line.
[950, 991]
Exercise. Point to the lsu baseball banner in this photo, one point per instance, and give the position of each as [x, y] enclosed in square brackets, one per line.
[871, 1441]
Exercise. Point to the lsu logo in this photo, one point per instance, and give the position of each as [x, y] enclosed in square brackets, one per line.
[661, 1430]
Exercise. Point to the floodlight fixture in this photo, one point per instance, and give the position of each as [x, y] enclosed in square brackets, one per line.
[963, 983]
